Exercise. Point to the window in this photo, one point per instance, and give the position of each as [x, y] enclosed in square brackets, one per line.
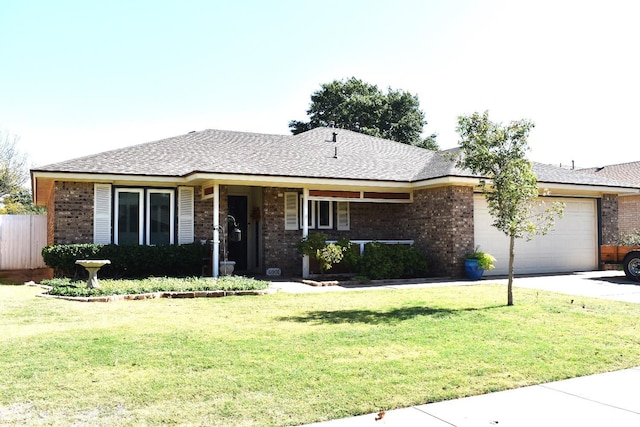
[144, 220]
[128, 216]
[325, 214]
[320, 213]
[160, 217]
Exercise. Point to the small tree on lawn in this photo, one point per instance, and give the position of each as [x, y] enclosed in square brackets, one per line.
[497, 154]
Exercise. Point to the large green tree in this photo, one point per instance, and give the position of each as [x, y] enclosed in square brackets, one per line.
[362, 107]
[20, 203]
[14, 174]
[13, 165]
[497, 153]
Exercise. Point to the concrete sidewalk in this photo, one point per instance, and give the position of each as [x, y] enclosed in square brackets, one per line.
[609, 399]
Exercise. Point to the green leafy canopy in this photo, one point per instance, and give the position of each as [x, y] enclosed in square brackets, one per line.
[497, 154]
[362, 107]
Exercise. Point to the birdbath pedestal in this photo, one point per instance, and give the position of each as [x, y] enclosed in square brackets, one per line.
[92, 266]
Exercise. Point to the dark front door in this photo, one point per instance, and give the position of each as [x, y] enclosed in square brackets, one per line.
[238, 250]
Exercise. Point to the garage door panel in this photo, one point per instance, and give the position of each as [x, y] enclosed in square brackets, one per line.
[570, 246]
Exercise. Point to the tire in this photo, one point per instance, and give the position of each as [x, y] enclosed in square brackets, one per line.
[631, 265]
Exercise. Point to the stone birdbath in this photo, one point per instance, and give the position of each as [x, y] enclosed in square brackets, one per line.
[92, 266]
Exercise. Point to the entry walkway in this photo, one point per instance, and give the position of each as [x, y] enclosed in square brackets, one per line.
[608, 399]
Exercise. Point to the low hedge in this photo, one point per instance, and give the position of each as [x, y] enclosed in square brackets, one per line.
[127, 261]
[69, 288]
[383, 261]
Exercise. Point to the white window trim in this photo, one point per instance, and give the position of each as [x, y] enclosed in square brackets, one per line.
[116, 210]
[172, 217]
[329, 226]
[312, 213]
[343, 213]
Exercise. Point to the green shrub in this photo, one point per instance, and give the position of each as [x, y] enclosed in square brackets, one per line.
[629, 239]
[350, 255]
[485, 260]
[67, 287]
[62, 258]
[383, 261]
[315, 246]
[127, 261]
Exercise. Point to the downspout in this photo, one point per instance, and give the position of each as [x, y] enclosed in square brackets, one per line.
[216, 231]
[305, 229]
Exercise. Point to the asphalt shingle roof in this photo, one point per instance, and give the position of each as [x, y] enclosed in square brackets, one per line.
[623, 172]
[311, 154]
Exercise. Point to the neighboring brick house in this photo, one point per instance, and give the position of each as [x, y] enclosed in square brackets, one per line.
[629, 204]
[278, 188]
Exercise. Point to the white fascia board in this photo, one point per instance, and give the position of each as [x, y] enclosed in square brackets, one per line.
[316, 183]
[446, 180]
[285, 181]
[562, 189]
[92, 177]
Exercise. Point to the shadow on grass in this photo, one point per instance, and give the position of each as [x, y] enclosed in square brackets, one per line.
[378, 317]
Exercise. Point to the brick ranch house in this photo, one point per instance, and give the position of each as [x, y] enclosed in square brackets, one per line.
[279, 188]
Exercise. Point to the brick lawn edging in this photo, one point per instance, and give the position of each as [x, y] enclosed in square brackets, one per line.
[154, 295]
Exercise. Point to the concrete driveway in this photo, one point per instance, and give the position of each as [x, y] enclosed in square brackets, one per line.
[611, 285]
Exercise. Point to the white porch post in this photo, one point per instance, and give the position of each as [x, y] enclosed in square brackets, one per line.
[305, 229]
[215, 262]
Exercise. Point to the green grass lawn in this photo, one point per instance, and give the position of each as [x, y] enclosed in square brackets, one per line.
[283, 359]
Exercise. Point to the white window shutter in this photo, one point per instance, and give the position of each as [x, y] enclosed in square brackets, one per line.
[185, 215]
[102, 213]
[343, 219]
[290, 211]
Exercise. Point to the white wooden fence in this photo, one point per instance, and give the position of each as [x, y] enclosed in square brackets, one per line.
[22, 238]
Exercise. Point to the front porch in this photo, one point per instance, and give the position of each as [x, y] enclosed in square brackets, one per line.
[272, 220]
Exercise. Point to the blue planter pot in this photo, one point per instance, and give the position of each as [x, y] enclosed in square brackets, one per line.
[474, 272]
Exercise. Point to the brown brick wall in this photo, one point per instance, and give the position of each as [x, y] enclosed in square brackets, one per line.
[439, 220]
[202, 217]
[629, 214]
[442, 225]
[203, 214]
[72, 212]
[279, 244]
[609, 214]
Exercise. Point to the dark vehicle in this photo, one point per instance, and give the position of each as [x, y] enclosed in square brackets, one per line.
[631, 264]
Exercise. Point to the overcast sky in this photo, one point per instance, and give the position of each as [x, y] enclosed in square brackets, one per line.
[80, 77]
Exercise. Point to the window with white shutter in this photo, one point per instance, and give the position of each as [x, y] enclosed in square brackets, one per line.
[290, 211]
[185, 215]
[102, 214]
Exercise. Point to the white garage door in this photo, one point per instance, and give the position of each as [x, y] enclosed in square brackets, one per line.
[571, 246]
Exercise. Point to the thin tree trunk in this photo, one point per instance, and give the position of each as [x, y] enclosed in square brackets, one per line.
[512, 240]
